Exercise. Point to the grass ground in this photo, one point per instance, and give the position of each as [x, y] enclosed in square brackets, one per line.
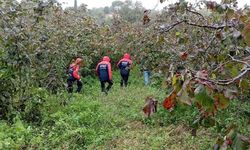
[134, 131]
[92, 120]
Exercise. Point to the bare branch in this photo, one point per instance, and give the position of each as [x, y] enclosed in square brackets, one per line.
[240, 61]
[210, 44]
[168, 28]
[210, 27]
[220, 65]
[194, 12]
[225, 82]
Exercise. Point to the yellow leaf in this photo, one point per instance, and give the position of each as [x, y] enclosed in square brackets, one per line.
[177, 82]
[213, 76]
[177, 33]
[174, 80]
[230, 13]
[160, 39]
[246, 34]
[243, 18]
[184, 98]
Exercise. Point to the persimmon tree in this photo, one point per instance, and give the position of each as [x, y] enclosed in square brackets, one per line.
[213, 51]
[202, 50]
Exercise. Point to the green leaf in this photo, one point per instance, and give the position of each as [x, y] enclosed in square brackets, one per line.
[208, 122]
[177, 33]
[234, 71]
[221, 101]
[204, 99]
[238, 143]
[244, 84]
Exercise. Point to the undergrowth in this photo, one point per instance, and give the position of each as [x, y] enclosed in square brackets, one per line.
[92, 120]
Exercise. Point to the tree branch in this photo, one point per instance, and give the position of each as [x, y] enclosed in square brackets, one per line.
[171, 26]
[240, 61]
[210, 27]
[225, 82]
[194, 12]
[168, 28]
[210, 44]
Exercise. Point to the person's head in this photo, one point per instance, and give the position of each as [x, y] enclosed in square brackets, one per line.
[126, 55]
[79, 61]
[106, 58]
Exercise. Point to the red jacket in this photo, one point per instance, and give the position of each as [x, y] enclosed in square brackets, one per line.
[76, 69]
[106, 60]
[126, 57]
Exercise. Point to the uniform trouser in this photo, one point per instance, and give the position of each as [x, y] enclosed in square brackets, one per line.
[124, 80]
[110, 83]
[70, 85]
[146, 75]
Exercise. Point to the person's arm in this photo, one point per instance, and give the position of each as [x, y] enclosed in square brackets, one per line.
[109, 71]
[130, 64]
[96, 70]
[118, 64]
[75, 73]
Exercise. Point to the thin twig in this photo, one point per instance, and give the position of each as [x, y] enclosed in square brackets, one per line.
[221, 65]
[210, 27]
[240, 61]
[210, 44]
[171, 26]
[194, 12]
[168, 28]
[225, 82]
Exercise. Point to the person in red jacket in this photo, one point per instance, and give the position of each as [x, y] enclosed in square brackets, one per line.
[124, 65]
[104, 72]
[74, 75]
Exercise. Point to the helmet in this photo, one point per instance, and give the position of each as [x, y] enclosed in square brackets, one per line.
[106, 58]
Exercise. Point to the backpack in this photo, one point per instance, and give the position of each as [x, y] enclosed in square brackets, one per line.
[70, 71]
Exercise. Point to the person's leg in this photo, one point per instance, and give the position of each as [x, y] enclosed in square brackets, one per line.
[102, 86]
[126, 79]
[122, 80]
[146, 77]
[79, 86]
[121, 83]
[110, 82]
[70, 85]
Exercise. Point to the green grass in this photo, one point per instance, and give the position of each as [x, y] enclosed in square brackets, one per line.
[92, 120]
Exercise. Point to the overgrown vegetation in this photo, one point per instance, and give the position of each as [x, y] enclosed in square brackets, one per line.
[199, 56]
[95, 121]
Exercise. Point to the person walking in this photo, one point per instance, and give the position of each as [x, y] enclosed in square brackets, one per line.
[104, 72]
[125, 65]
[146, 69]
[73, 75]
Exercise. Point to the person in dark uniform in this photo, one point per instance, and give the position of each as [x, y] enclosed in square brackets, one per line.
[124, 65]
[104, 72]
